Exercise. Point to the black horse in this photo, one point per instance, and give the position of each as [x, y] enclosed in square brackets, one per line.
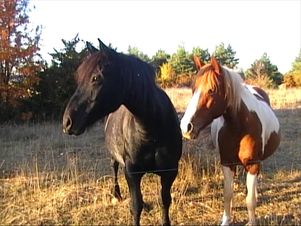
[142, 129]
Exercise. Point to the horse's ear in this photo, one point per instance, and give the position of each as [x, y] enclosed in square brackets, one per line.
[198, 63]
[215, 65]
[91, 48]
[102, 46]
[106, 49]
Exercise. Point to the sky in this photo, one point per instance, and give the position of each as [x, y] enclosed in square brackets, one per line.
[250, 27]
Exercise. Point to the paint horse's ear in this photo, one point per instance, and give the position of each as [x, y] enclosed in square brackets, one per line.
[198, 63]
[215, 65]
[91, 48]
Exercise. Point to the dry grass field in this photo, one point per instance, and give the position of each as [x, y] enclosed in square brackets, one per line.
[48, 178]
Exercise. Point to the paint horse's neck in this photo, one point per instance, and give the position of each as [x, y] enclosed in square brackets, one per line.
[238, 118]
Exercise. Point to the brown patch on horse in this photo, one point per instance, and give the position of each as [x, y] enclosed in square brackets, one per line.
[263, 94]
[249, 153]
[272, 144]
[228, 146]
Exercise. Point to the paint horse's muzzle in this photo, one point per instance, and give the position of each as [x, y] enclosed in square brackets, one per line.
[187, 132]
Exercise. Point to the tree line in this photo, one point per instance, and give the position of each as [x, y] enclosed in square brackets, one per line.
[31, 88]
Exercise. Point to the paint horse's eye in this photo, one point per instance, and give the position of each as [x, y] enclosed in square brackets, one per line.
[211, 92]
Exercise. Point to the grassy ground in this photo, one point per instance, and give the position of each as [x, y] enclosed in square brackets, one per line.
[48, 178]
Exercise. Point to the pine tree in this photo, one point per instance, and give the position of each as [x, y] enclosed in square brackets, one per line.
[264, 72]
[160, 58]
[203, 54]
[136, 52]
[225, 56]
[181, 61]
[60, 76]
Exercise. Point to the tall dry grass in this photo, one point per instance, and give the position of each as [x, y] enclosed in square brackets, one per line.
[48, 178]
[280, 98]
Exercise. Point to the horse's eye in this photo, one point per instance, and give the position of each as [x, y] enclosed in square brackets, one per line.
[211, 91]
[95, 78]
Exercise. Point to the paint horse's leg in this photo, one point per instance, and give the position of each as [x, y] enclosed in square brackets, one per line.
[133, 180]
[116, 188]
[251, 197]
[228, 194]
[167, 179]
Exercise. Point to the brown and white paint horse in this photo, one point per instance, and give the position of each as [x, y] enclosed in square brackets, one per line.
[244, 127]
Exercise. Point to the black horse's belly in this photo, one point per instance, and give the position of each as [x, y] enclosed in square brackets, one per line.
[127, 140]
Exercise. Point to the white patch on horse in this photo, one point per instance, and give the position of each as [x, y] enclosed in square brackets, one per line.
[252, 90]
[251, 197]
[267, 117]
[216, 125]
[228, 195]
[190, 111]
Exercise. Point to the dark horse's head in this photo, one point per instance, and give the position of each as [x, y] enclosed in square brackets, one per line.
[98, 77]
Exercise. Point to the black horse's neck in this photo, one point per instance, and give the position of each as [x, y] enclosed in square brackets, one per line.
[141, 92]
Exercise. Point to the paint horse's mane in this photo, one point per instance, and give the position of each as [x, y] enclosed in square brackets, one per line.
[233, 84]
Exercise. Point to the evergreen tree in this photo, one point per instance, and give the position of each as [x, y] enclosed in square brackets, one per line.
[264, 70]
[225, 56]
[57, 82]
[203, 54]
[160, 58]
[181, 61]
[136, 52]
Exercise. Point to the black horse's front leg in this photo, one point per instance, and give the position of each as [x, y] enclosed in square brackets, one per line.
[134, 180]
[116, 188]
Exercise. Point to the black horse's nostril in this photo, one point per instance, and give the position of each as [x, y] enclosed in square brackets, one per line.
[67, 124]
[189, 127]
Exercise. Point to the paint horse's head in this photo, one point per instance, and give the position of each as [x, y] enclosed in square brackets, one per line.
[99, 91]
[208, 100]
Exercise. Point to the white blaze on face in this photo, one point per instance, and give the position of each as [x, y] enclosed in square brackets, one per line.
[190, 111]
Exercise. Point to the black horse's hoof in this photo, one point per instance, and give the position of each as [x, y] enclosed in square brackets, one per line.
[147, 207]
[116, 193]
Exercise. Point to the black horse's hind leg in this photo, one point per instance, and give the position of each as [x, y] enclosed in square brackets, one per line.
[116, 188]
[134, 179]
[167, 180]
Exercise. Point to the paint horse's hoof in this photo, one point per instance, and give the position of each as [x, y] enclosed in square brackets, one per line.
[114, 201]
[225, 221]
[251, 223]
